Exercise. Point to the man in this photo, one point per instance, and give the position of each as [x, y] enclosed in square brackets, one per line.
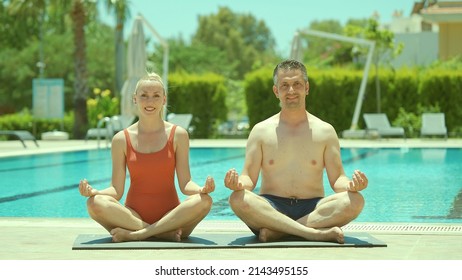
[290, 150]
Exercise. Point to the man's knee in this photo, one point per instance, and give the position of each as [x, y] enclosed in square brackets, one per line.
[237, 201]
[356, 204]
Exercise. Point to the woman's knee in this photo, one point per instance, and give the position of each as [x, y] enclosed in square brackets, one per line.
[206, 200]
[202, 201]
[97, 204]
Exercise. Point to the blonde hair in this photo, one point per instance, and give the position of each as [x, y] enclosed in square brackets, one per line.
[152, 77]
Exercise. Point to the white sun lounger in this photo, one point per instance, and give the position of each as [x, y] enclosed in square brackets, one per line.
[21, 135]
[183, 120]
[433, 124]
[379, 122]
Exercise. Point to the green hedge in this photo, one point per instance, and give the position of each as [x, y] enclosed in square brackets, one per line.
[443, 88]
[333, 95]
[260, 99]
[201, 95]
[405, 95]
[25, 121]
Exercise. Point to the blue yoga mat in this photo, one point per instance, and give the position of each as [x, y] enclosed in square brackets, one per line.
[219, 240]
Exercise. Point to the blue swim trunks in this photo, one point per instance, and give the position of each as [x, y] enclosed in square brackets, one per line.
[291, 207]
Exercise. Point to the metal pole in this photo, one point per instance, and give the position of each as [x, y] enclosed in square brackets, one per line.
[165, 58]
[295, 50]
[165, 77]
[362, 88]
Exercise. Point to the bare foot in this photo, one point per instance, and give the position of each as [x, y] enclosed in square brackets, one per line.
[174, 235]
[121, 235]
[334, 234]
[267, 235]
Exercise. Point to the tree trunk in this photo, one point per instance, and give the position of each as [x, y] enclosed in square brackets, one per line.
[119, 54]
[80, 82]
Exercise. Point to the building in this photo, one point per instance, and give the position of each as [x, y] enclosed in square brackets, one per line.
[448, 16]
[419, 37]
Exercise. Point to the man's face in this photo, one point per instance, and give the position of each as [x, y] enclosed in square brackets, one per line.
[291, 88]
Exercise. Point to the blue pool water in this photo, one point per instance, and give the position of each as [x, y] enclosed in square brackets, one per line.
[405, 184]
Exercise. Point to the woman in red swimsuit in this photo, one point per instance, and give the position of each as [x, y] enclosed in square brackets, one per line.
[152, 150]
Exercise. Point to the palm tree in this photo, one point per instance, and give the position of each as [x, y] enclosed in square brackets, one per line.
[27, 13]
[80, 83]
[32, 11]
[122, 13]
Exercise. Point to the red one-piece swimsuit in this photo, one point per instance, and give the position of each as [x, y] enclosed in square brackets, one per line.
[152, 192]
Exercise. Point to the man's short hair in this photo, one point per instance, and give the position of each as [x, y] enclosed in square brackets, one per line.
[289, 64]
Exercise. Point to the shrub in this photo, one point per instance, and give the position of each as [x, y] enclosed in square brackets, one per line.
[103, 104]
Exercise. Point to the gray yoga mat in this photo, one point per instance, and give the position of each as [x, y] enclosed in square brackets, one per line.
[219, 240]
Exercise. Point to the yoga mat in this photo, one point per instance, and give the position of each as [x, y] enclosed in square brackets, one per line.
[219, 240]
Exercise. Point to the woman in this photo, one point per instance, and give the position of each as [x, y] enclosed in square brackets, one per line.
[152, 150]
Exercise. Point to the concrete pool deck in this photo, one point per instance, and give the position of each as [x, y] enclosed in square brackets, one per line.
[15, 148]
[52, 238]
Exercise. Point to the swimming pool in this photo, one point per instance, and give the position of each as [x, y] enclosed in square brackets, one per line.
[406, 184]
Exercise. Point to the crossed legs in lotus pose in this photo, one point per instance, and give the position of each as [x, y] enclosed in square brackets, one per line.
[323, 224]
[124, 224]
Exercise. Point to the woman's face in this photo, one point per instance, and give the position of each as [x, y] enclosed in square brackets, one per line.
[150, 97]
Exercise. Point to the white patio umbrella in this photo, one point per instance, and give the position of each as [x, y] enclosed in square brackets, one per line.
[136, 67]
